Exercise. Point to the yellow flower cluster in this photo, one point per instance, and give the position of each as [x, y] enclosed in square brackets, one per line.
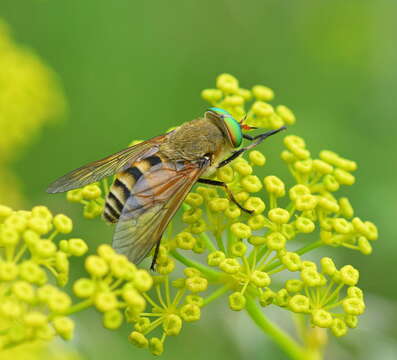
[241, 253]
[319, 294]
[177, 302]
[90, 196]
[313, 196]
[31, 308]
[229, 96]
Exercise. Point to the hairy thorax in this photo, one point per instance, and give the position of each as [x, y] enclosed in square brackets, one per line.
[194, 140]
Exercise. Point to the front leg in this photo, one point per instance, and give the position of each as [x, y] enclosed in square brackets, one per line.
[229, 193]
[257, 140]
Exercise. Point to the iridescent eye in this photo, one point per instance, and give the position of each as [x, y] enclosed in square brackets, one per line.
[234, 131]
[232, 126]
[220, 111]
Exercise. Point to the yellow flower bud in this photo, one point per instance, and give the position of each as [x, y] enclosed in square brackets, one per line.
[230, 266]
[225, 174]
[364, 246]
[156, 346]
[355, 292]
[292, 261]
[322, 318]
[219, 204]
[242, 167]
[260, 279]
[112, 319]
[262, 109]
[135, 301]
[237, 301]
[299, 303]
[238, 249]
[251, 183]
[84, 288]
[16, 221]
[8, 271]
[343, 177]
[257, 158]
[351, 321]
[191, 216]
[75, 195]
[339, 327]
[306, 202]
[211, 95]
[255, 204]
[257, 240]
[77, 247]
[59, 302]
[227, 83]
[353, 306]
[304, 166]
[297, 191]
[322, 167]
[342, 226]
[294, 285]
[196, 284]
[194, 200]
[267, 297]
[274, 185]
[138, 339]
[311, 277]
[304, 225]
[233, 100]
[288, 157]
[263, 93]
[23, 291]
[106, 301]
[172, 325]
[185, 240]
[330, 183]
[279, 215]
[257, 222]
[346, 208]
[35, 319]
[63, 224]
[142, 280]
[215, 258]
[276, 241]
[96, 266]
[286, 114]
[242, 231]
[327, 265]
[349, 275]
[64, 327]
[190, 312]
[91, 192]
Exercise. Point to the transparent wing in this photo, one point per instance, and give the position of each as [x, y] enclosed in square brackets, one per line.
[154, 200]
[108, 166]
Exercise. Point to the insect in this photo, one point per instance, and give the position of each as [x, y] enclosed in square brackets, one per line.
[153, 177]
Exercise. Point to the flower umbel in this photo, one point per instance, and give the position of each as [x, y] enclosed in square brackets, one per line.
[241, 255]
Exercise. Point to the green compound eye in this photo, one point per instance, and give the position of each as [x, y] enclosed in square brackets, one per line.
[232, 126]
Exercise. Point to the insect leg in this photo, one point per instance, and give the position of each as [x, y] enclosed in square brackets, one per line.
[256, 141]
[156, 254]
[229, 193]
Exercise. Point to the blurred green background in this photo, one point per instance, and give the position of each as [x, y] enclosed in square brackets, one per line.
[132, 69]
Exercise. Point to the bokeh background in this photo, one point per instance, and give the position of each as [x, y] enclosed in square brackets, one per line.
[123, 70]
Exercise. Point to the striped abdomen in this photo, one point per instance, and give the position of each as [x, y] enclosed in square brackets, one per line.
[122, 187]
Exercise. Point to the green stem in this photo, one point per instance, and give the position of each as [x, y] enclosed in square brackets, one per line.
[208, 242]
[214, 275]
[217, 293]
[285, 342]
[307, 248]
[76, 308]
